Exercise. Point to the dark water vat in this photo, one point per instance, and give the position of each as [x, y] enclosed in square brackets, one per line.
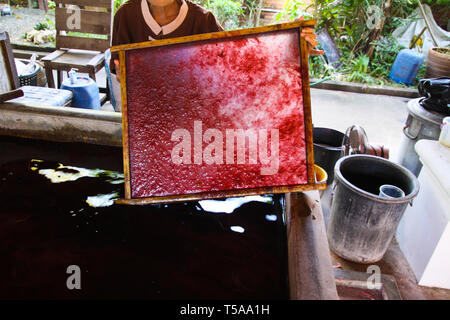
[176, 251]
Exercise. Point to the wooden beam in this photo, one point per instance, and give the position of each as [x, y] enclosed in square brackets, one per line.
[91, 21]
[304, 67]
[214, 35]
[221, 194]
[11, 95]
[70, 42]
[309, 262]
[97, 3]
[125, 140]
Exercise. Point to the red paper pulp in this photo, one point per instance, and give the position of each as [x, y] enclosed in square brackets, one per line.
[251, 82]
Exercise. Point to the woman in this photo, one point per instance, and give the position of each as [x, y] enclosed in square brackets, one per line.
[144, 20]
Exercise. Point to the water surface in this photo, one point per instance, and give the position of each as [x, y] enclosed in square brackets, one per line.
[54, 215]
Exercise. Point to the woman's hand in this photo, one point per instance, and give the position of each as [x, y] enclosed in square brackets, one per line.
[311, 39]
[116, 63]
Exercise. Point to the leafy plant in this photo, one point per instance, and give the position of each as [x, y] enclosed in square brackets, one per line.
[358, 69]
[41, 26]
[384, 56]
[443, 50]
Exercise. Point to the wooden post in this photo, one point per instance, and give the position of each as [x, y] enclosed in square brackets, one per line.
[258, 13]
[11, 95]
[43, 5]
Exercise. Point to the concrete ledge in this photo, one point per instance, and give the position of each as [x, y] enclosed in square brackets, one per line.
[364, 88]
[61, 124]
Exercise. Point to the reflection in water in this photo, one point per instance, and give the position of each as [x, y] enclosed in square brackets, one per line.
[64, 173]
[53, 216]
[231, 204]
[271, 217]
[237, 229]
[102, 200]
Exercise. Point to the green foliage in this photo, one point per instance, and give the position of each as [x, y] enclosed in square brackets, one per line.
[443, 50]
[87, 35]
[51, 5]
[346, 20]
[431, 2]
[358, 69]
[227, 12]
[41, 26]
[384, 56]
[118, 3]
[292, 10]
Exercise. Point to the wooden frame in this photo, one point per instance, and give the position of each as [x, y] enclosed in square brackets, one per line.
[311, 185]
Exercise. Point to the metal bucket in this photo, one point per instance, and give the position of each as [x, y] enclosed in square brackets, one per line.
[421, 124]
[327, 149]
[363, 223]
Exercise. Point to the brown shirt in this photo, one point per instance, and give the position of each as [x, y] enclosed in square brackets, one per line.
[134, 23]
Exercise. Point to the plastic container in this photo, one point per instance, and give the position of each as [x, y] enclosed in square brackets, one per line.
[327, 149]
[390, 191]
[321, 174]
[362, 223]
[86, 93]
[406, 66]
[444, 137]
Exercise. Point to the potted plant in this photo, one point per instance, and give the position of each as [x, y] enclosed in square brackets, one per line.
[438, 63]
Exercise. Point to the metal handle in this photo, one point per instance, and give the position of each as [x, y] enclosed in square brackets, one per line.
[408, 123]
[410, 136]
